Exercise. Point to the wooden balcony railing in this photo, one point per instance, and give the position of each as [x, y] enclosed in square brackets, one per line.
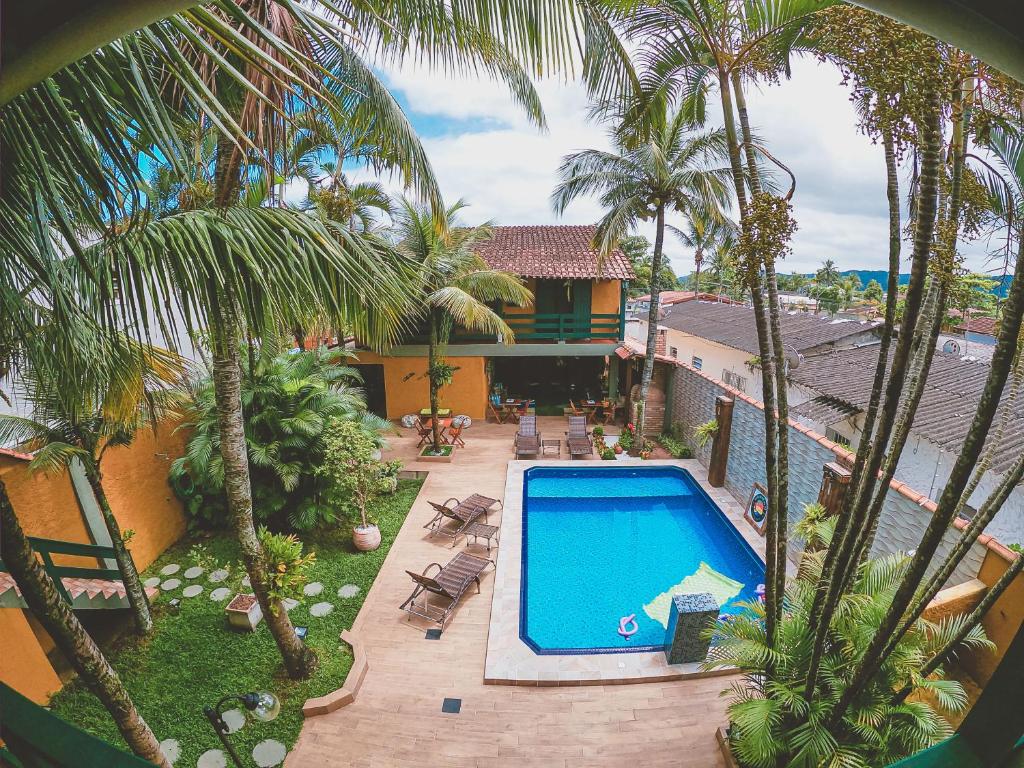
[543, 327]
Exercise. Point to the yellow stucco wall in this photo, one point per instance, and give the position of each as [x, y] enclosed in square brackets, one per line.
[407, 393]
[1002, 621]
[23, 664]
[605, 296]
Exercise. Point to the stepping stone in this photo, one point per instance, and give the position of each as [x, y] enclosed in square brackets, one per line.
[348, 590]
[170, 570]
[234, 719]
[153, 581]
[269, 753]
[289, 603]
[194, 572]
[218, 576]
[212, 758]
[171, 749]
[170, 584]
[220, 595]
[192, 590]
[247, 582]
[312, 589]
[319, 610]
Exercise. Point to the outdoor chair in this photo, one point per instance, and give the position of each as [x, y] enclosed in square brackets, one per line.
[497, 414]
[577, 439]
[452, 521]
[574, 410]
[449, 584]
[454, 436]
[527, 442]
[424, 431]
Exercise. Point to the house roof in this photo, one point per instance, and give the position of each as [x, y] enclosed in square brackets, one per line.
[734, 326]
[944, 415]
[668, 298]
[552, 251]
[986, 325]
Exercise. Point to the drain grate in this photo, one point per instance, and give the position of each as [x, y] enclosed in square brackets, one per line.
[433, 634]
[451, 706]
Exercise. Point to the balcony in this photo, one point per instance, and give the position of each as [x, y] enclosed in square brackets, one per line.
[542, 327]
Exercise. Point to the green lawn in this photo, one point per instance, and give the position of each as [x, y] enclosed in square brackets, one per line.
[192, 658]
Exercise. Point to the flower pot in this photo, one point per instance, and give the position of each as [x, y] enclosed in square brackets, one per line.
[376, 455]
[244, 612]
[366, 537]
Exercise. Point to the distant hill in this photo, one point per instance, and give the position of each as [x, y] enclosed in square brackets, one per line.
[867, 275]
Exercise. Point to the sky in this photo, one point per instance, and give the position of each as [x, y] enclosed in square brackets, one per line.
[485, 150]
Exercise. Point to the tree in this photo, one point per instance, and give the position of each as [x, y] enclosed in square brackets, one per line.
[873, 292]
[828, 274]
[79, 419]
[703, 235]
[355, 477]
[455, 286]
[289, 398]
[660, 167]
[637, 249]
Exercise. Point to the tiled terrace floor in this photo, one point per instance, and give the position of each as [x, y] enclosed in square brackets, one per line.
[396, 719]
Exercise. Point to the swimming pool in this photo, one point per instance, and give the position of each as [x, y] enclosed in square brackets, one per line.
[602, 543]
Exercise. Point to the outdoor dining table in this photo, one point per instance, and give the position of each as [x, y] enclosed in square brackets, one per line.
[443, 425]
[592, 407]
[511, 406]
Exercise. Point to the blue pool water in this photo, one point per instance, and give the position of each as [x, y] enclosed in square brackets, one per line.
[600, 542]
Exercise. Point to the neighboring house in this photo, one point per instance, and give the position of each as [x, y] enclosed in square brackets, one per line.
[641, 305]
[721, 340]
[961, 347]
[979, 330]
[562, 342]
[796, 301]
[830, 392]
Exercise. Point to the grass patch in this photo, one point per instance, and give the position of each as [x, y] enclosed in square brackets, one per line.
[444, 450]
[193, 659]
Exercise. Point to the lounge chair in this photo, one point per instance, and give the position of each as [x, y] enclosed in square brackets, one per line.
[527, 441]
[577, 439]
[452, 521]
[449, 584]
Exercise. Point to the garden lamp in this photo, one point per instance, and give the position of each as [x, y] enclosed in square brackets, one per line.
[264, 706]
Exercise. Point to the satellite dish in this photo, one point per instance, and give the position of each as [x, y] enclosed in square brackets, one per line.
[952, 346]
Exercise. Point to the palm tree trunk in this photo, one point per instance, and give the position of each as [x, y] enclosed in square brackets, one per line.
[697, 259]
[435, 428]
[56, 616]
[299, 660]
[652, 320]
[129, 574]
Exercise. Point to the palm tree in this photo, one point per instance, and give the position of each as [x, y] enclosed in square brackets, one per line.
[665, 166]
[455, 287]
[828, 274]
[703, 235]
[78, 420]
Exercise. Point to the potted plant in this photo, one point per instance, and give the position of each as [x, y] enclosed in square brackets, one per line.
[355, 477]
[607, 454]
[704, 432]
[628, 438]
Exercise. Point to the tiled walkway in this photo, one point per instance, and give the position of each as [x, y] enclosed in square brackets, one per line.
[396, 719]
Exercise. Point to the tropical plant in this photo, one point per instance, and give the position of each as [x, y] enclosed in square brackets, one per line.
[637, 249]
[78, 420]
[354, 476]
[873, 291]
[659, 165]
[703, 433]
[289, 398]
[287, 567]
[828, 274]
[455, 286]
[703, 234]
[675, 446]
[771, 723]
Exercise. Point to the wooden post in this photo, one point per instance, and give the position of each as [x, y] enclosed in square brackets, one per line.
[720, 444]
[835, 482]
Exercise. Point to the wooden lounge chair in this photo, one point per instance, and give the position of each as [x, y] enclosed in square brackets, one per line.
[577, 439]
[449, 584]
[452, 521]
[527, 441]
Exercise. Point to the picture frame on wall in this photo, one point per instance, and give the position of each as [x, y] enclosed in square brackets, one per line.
[756, 512]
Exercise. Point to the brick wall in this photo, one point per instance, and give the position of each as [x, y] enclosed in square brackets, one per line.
[905, 513]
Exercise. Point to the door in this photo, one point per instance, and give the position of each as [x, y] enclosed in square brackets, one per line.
[373, 388]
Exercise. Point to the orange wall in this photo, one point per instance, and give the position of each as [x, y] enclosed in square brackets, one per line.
[1002, 621]
[135, 479]
[605, 296]
[466, 394]
[23, 665]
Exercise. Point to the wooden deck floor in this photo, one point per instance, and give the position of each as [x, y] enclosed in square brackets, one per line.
[397, 720]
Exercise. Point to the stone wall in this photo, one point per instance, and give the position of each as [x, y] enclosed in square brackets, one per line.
[904, 516]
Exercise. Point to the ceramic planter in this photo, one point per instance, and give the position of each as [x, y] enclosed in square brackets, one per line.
[366, 537]
[244, 612]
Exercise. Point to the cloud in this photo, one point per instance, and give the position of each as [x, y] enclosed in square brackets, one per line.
[484, 150]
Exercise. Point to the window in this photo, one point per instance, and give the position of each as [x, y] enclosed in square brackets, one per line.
[696, 362]
[835, 437]
[735, 380]
[673, 352]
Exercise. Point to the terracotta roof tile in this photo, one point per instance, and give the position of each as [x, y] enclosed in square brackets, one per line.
[552, 251]
[986, 325]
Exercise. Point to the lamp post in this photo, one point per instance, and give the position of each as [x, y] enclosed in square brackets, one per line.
[263, 705]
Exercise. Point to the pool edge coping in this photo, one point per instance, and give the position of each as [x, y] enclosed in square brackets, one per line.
[510, 661]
